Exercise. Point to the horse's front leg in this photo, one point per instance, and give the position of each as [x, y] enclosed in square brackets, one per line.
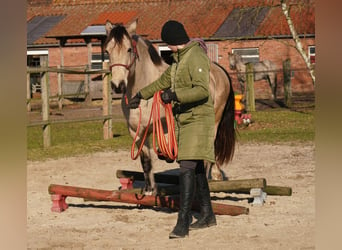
[150, 187]
[146, 163]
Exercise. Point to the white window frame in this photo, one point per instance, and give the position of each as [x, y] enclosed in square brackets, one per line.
[212, 51]
[248, 57]
[98, 61]
[37, 52]
[35, 77]
[312, 54]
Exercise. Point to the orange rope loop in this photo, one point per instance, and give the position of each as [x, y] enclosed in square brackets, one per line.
[167, 144]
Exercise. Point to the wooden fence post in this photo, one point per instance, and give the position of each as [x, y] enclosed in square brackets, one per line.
[45, 108]
[250, 99]
[287, 83]
[60, 92]
[87, 76]
[107, 104]
[28, 91]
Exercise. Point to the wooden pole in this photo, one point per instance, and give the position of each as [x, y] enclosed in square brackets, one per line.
[107, 105]
[287, 83]
[60, 93]
[61, 76]
[236, 185]
[250, 99]
[214, 186]
[45, 107]
[146, 200]
[87, 77]
[28, 91]
[278, 190]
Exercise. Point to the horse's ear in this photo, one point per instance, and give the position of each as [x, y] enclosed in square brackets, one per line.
[132, 28]
[109, 27]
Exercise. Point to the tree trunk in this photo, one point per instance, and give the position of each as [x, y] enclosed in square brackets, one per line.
[298, 44]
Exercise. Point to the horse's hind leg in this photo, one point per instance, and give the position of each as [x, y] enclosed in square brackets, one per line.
[272, 81]
[214, 172]
[242, 87]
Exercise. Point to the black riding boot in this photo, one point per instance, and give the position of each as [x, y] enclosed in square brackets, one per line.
[186, 186]
[207, 216]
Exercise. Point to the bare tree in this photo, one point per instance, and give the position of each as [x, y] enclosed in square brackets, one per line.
[297, 41]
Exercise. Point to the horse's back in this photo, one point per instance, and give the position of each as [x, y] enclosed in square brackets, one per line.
[269, 65]
[219, 89]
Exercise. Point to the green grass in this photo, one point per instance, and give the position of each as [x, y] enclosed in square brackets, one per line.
[279, 126]
[70, 139]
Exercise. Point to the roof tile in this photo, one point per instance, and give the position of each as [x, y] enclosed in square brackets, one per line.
[201, 18]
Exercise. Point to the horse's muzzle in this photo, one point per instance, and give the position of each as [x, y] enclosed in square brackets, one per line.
[120, 88]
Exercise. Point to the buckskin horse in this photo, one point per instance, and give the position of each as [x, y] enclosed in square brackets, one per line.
[262, 70]
[135, 63]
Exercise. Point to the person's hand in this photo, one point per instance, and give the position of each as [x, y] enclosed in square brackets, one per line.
[135, 101]
[167, 96]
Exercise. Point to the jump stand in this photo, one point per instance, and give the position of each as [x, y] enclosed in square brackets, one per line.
[167, 196]
[59, 193]
[256, 188]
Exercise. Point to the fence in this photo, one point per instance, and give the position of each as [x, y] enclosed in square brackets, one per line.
[45, 97]
[250, 72]
[107, 96]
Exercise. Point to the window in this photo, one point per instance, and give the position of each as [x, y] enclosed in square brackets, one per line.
[35, 58]
[165, 53]
[312, 54]
[248, 55]
[212, 52]
[96, 60]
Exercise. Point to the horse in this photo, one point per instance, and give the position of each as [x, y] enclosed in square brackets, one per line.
[262, 70]
[135, 63]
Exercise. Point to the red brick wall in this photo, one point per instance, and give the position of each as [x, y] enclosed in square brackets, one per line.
[73, 57]
[274, 50]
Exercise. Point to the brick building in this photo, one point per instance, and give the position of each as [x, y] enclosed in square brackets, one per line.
[70, 33]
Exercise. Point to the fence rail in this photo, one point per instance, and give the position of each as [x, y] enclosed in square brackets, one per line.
[45, 97]
[107, 97]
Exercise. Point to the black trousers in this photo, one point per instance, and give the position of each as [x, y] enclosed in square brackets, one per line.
[197, 165]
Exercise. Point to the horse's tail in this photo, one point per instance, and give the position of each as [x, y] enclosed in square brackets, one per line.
[225, 135]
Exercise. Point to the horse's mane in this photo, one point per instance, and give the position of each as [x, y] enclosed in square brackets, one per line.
[155, 57]
[118, 33]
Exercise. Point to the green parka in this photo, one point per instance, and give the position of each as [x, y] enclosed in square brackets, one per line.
[188, 77]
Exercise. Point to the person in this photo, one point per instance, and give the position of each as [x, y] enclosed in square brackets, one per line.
[185, 84]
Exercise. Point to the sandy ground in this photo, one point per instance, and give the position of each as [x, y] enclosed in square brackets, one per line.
[283, 222]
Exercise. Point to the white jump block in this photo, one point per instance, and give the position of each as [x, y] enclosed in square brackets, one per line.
[258, 195]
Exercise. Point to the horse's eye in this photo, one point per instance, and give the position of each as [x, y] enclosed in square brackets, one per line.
[129, 50]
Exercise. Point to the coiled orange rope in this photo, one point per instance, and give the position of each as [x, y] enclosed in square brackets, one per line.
[167, 144]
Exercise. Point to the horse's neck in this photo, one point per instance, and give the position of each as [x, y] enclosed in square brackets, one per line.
[240, 66]
[145, 71]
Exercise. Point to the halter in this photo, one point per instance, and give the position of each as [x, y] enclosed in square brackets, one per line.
[135, 56]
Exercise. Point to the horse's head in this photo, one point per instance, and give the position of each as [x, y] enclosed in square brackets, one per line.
[122, 54]
[232, 61]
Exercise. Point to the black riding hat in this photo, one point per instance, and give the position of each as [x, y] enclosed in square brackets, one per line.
[173, 33]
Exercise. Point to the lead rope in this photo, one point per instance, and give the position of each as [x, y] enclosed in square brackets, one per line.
[167, 147]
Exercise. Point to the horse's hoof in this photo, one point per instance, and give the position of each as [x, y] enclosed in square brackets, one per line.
[167, 159]
[150, 191]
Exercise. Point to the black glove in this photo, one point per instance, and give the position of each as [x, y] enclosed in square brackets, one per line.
[167, 96]
[135, 101]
